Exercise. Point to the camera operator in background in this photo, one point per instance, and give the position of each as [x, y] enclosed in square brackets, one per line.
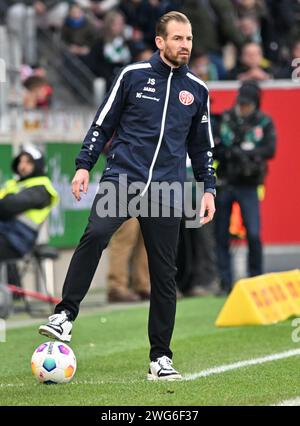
[246, 141]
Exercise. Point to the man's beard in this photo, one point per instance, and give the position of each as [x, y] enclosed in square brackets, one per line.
[176, 61]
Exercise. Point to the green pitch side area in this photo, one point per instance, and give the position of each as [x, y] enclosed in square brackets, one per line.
[112, 356]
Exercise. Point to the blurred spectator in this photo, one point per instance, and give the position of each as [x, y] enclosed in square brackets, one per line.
[51, 13]
[143, 54]
[281, 26]
[256, 8]
[48, 13]
[23, 19]
[287, 69]
[101, 7]
[77, 32]
[37, 93]
[252, 65]
[203, 67]
[249, 26]
[127, 254]
[247, 140]
[25, 203]
[28, 71]
[286, 18]
[197, 273]
[214, 25]
[111, 51]
[264, 33]
[142, 15]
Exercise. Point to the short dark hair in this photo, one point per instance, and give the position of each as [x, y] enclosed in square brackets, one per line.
[161, 26]
[34, 82]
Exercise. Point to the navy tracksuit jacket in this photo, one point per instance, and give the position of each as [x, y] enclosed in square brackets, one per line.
[154, 115]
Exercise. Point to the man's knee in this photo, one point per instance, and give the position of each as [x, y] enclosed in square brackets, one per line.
[99, 233]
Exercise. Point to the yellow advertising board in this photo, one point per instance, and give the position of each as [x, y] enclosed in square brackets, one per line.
[265, 299]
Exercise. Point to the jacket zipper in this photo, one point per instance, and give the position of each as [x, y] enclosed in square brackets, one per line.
[162, 129]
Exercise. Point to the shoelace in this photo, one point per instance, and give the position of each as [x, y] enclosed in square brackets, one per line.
[58, 319]
[165, 362]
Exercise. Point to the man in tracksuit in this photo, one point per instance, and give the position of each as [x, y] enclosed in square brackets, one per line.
[155, 113]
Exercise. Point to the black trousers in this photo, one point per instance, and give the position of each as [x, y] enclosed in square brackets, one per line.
[161, 237]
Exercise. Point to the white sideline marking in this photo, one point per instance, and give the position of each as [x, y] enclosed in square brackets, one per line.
[204, 373]
[240, 364]
[289, 402]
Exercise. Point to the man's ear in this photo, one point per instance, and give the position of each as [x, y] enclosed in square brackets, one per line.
[159, 41]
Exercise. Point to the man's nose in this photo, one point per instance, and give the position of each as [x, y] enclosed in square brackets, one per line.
[185, 44]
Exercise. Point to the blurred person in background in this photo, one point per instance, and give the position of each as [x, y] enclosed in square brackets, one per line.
[214, 25]
[286, 70]
[25, 17]
[203, 67]
[249, 27]
[50, 13]
[256, 8]
[252, 65]
[101, 7]
[246, 141]
[279, 23]
[197, 271]
[77, 32]
[111, 52]
[142, 15]
[25, 203]
[142, 53]
[37, 93]
[128, 275]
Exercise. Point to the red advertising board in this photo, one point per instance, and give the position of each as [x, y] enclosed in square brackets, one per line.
[281, 206]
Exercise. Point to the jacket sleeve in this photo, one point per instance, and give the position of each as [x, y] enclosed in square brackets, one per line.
[200, 145]
[36, 197]
[104, 125]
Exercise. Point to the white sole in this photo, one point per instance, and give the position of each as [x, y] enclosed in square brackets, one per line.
[171, 378]
[44, 330]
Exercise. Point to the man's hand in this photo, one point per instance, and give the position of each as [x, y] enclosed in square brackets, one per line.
[254, 74]
[207, 205]
[80, 183]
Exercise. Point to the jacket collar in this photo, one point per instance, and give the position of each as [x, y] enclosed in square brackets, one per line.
[162, 68]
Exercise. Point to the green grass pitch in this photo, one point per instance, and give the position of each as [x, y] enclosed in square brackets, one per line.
[112, 357]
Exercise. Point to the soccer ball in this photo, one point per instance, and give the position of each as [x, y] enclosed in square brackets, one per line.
[53, 362]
